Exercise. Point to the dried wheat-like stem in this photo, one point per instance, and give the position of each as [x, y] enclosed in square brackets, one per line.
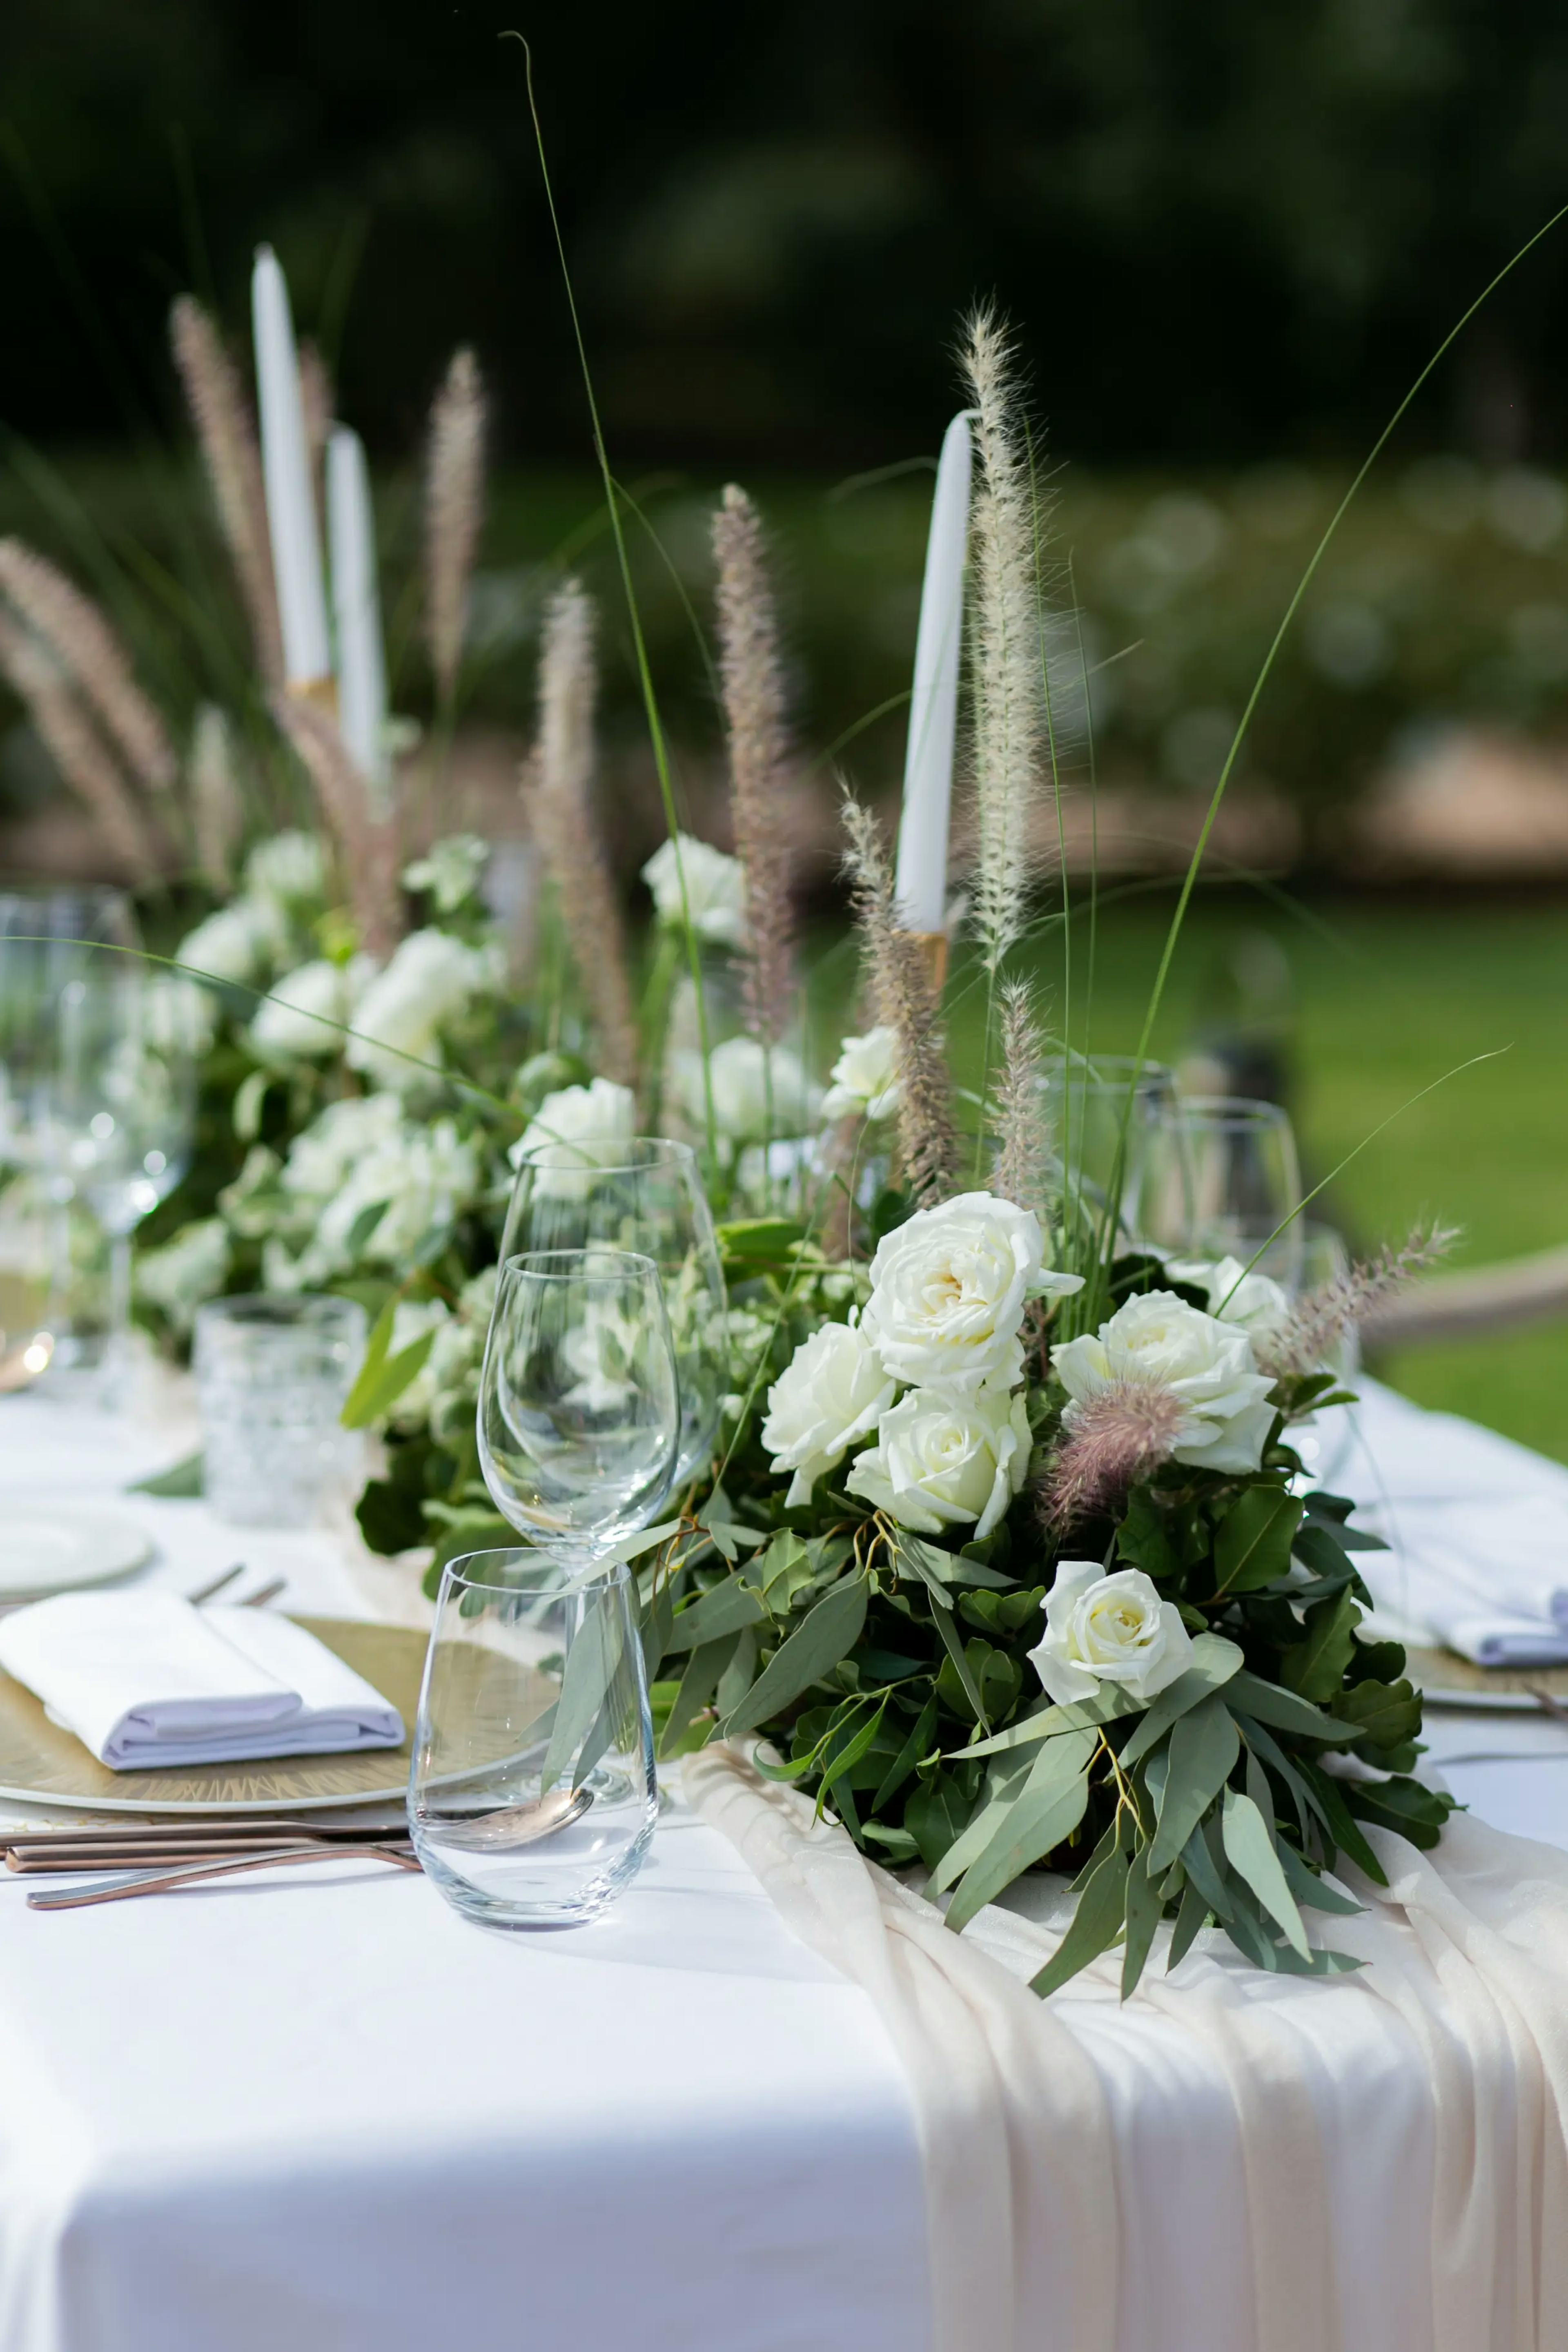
[79, 753]
[1316, 1325]
[454, 511]
[217, 801]
[90, 652]
[226, 436]
[1004, 642]
[317, 398]
[1109, 1442]
[367, 845]
[561, 799]
[752, 678]
[901, 998]
[1023, 1141]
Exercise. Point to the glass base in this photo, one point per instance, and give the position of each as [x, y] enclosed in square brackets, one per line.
[493, 1907]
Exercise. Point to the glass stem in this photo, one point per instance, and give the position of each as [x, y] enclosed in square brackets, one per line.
[117, 1349]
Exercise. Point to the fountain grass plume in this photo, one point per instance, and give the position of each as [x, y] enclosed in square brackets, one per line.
[89, 650]
[1321, 1321]
[904, 1000]
[1023, 1139]
[1004, 640]
[84, 760]
[217, 800]
[562, 808]
[752, 682]
[226, 433]
[368, 845]
[1110, 1441]
[454, 512]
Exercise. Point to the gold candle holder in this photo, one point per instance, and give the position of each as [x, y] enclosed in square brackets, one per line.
[319, 693]
[932, 950]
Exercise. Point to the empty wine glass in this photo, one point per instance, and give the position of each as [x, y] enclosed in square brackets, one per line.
[1102, 1112]
[1223, 1181]
[578, 1416]
[27, 1292]
[531, 1790]
[642, 1193]
[118, 1121]
[48, 937]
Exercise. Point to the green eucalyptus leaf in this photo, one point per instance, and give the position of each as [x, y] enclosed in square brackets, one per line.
[827, 1633]
[1249, 1848]
[1144, 1910]
[1004, 1783]
[934, 1814]
[725, 1609]
[1214, 1660]
[1096, 1924]
[1048, 1809]
[1343, 1827]
[697, 1686]
[1267, 1703]
[1310, 1889]
[1192, 1916]
[182, 1481]
[917, 1745]
[1204, 1746]
[1110, 1703]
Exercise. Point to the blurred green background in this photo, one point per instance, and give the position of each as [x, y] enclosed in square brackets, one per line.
[1229, 238]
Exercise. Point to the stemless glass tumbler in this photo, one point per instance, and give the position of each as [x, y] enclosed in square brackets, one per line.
[1223, 1181]
[1103, 1112]
[532, 1794]
[272, 1375]
[642, 1193]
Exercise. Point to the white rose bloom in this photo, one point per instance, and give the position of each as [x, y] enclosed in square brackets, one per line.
[715, 889]
[1207, 1365]
[1101, 1628]
[1253, 1301]
[229, 945]
[284, 1028]
[948, 1290]
[863, 1081]
[185, 1271]
[586, 1127]
[289, 869]
[757, 1090]
[451, 871]
[829, 1396]
[420, 1177]
[943, 1461]
[429, 981]
[323, 1156]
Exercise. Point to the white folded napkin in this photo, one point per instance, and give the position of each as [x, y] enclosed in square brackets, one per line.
[1477, 1529]
[144, 1679]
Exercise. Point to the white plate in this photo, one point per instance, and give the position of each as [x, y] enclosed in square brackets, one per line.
[47, 1547]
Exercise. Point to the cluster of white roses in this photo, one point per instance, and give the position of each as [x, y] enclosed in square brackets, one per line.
[948, 1291]
[943, 1322]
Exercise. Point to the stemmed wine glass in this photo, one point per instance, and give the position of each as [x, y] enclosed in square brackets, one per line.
[1102, 1112]
[643, 1193]
[532, 1794]
[1224, 1181]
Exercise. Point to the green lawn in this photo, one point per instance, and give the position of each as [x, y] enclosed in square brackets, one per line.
[1380, 1000]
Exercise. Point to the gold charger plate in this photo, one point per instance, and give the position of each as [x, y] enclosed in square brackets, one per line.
[1448, 1680]
[42, 1763]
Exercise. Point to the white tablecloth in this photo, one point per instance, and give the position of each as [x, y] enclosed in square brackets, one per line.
[326, 2114]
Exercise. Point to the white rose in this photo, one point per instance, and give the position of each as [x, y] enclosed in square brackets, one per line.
[185, 1271]
[324, 1155]
[286, 1028]
[420, 1178]
[757, 1090]
[863, 1081]
[584, 1126]
[1207, 1365]
[831, 1394]
[943, 1461]
[949, 1289]
[289, 869]
[715, 889]
[1253, 1301]
[450, 871]
[429, 981]
[1108, 1629]
[229, 945]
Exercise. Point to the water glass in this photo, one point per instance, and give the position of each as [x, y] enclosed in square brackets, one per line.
[27, 1290]
[272, 1378]
[643, 1193]
[1223, 1181]
[1102, 1114]
[531, 1793]
[579, 1414]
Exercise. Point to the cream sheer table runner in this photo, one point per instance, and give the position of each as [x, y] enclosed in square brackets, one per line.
[324, 2112]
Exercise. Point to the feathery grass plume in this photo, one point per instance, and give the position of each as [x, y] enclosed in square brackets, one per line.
[226, 437]
[752, 678]
[217, 801]
[561, 778]
[1113, 1440]
[1318, 1322]
[1004, 648]
[454, 510]
[1023, 1141]
[89, 651]
[902, 999]
[367, 845]
[79, 753]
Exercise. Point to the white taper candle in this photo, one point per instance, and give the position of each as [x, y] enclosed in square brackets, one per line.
[286, 470]
[356, 608]
[921, 884]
